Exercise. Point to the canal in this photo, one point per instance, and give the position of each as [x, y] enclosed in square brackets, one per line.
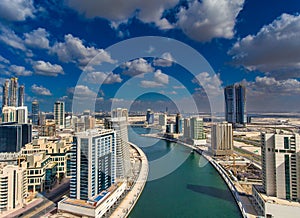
[194, 189]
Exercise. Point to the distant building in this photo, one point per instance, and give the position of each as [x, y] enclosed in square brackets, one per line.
[13, 136]
[187, 128]
[9, 114]
[178, 124]
[162, 120]
[197, 131]
[13, 89]
[13, 187]
[22, 114]
[235, 104]
[59, 114]
[35, 110]
[21, 96]
[150, 117]
[5, 94]
[222, 139]
[95, 153]
[279, 196]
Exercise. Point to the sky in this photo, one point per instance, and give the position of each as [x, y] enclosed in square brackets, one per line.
[49, 45]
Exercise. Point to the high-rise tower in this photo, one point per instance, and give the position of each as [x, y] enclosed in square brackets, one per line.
[119, 124]
[13, 89]
[59, 114]
[93, 163]
[21, 96]
[35, 108]
[5, 93]
[235, 104]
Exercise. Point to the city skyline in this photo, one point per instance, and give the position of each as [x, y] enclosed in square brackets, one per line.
[48, 56]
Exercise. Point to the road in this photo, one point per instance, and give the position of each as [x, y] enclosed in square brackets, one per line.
[48, 203]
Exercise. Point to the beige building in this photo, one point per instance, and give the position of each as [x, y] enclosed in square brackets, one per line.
[13, 187]
[57, 149]
[222, 139]
[280, 193]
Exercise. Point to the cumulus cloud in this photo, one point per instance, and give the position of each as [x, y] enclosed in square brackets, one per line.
[146, 11]
[270, 86]
[209, 83]
[82, 92]
[203, 21]
[37, 38]
[16, 10]
[40, 90]
[165, 60]
[103, 78]
[10, 38]
[137, 67]
[160, 79]
[47, 69]
[73, 50]
[274, 49]
[19, 70]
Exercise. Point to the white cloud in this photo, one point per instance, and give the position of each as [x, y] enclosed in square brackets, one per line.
[160, 79]
[165, 60]
[270, 86]
[118, 11]
[82, 92]
[274, 49]
[4, 60]
[20, 70]
[209, 19]
[209, 83]
[179, 87]
[73, 50]
[103, 78]
[37, 38]
[40, 90]
[10, 38]
[47, 69]
[137, 67]
[150, 84]
[16, 10]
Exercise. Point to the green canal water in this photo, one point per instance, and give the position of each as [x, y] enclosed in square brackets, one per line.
[194, 189]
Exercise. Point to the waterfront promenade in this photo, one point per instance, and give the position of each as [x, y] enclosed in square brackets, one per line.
[133, 195]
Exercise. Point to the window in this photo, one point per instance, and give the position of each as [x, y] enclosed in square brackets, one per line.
[286, 143]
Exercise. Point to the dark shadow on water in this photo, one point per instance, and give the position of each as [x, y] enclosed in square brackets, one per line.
[211, 191]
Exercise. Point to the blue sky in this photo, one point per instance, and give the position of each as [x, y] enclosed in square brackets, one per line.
[48, 44]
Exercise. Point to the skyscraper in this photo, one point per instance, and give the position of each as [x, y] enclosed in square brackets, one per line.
[235, 104]
[59, 114]
[93, 163]
[35, 108]
[5, 94]
[178, 123]
[13, 89]
[13, 136]
[281, 165]
[221, 139]
[22, 114]
[21, 96]
[119, 124]
[187, 128]
[196, 125]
